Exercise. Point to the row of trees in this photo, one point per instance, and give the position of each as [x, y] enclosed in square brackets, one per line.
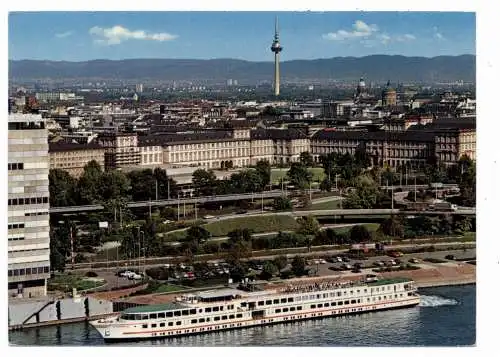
[97, 186]
[206, 183]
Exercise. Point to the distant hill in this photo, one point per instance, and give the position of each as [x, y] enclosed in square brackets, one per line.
[373, 68]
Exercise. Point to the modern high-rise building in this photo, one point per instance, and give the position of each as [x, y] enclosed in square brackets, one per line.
[28, 206]
[276, 49]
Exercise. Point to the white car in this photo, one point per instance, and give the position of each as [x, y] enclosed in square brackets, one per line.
[208, 216]
[126, 273]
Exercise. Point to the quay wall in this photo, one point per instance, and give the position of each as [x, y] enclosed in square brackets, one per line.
[24, 313]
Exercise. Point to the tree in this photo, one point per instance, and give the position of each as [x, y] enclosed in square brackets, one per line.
[330, 164]
[205, 182]
[196, 236]
[114, 185]
[240, 245]
[263, 169]
[462, 224]
[359, 234]
[299, 266]
[269, 270]
[325, 185]
[361, 158]
[143, 185]
[167, 187]
[365, 194]
[282, 204]
[392, 227]
[280, 262]
[308, 225]
[246, 181]
[306, 159]
[62, 188]
[299, 176]
[88, 184]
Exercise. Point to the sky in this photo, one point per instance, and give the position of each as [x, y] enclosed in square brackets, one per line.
[80, 36]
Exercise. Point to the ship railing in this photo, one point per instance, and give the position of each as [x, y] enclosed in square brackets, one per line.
[318, 287]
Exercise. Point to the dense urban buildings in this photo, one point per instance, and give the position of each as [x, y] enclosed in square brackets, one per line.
[28, 206]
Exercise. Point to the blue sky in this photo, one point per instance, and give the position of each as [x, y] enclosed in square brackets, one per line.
[77, 36]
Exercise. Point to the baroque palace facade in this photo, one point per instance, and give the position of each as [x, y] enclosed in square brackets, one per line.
[236, 148]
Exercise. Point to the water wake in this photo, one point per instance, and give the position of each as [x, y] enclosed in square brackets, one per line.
[434, 301]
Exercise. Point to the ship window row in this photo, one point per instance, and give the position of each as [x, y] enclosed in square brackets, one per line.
[275, 301]
[162, 315]
[335, 303]
[286, 309]
[217, 318]
[162, 324]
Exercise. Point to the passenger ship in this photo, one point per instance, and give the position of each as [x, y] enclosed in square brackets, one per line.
[227, 309]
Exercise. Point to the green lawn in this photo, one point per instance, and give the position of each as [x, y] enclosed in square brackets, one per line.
[174, 236]
[258, 224]
[66, 282]
[169, 288]
[277, 174]
[371, 227]
[326, 205]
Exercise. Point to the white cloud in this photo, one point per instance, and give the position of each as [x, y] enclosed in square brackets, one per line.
[367, 34]
[117, 34]
[439, 36]
[359, 29]
[405, 38]
[64, 34]
[384, 38]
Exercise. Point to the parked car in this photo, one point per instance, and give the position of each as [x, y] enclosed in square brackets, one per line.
[208, 216]
[450, 257]
[395, 254]
[414, 261]
[379, 263]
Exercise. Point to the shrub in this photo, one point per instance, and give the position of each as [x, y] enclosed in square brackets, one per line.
[91, 274]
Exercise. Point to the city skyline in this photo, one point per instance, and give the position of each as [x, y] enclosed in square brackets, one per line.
[82, 36]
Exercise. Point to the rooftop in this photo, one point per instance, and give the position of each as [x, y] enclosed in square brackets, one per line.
[153, 308]
[64, 146]
[390, 281]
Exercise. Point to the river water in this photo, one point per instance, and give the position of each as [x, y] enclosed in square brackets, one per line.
[445, 317]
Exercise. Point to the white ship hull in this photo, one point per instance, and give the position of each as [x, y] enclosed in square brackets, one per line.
[120, 330]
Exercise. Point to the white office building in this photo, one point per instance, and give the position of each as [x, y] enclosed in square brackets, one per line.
[28, 206]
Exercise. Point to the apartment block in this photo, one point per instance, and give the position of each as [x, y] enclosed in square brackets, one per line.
[73, 157]
[28, 206]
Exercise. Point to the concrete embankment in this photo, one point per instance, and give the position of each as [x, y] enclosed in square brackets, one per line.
[439, 274]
